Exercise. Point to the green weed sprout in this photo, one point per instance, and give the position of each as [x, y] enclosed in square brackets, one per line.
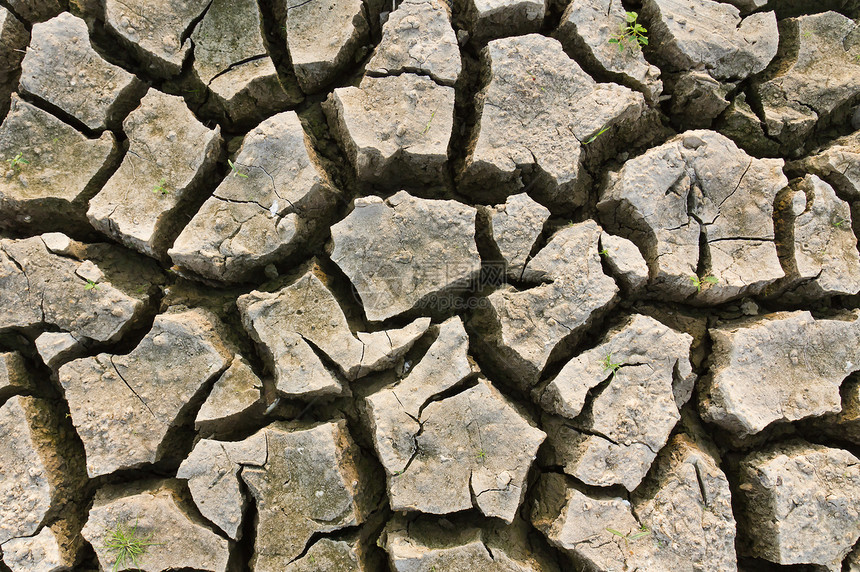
[127, 546]
[632, 33]
[90, 285]
[427, 127]
[839, 222]
[642, 533]
[235, 169]
[481, 455]
[16, 162]
[609, 365]
[706, 280]
[591, 139]
[161, 187]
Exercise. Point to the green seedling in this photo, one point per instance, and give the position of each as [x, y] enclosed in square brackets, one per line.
[235, 169]
[161, 187]
[481, 455]
[706, 280]
[632, 34]
[604, 252]
[427, 127]
[609, 365]
[630, 536]
[839, 222]
[90, 285]
[595, 136]
[17, 161]
[127, 546]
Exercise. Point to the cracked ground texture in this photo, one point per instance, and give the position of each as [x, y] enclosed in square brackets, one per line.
[429, 285]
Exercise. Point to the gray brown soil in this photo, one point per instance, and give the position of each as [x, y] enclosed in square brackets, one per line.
[430, 285]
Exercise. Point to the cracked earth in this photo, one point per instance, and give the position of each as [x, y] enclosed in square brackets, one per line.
[426, 286]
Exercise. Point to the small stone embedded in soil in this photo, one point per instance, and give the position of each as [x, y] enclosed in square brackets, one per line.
[271, 203]
[123, 406]
[170, 154]
[681, 519]
[519, 329]
[781, 367]
[588, 26]
[37, 287]
[317, 472]
[801, 504]
[474, 450]
[490, 19]
[404, 251]
[624, 260]
[819, 73]
[710, 35]
[839, 165]
[39, 553]
[155, 31]
[825, 253]
[230, 57]
[418, 38]
[62, 68]
[236, 393]
[56, 348]
[394, 129]
[534, 88]
[323, 37]
[13, 375]
[212, 471]
[158, 513]
[697, 99]
[699, 197]
[516, 226]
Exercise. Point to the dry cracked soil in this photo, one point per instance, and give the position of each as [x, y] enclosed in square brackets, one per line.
[429, 285]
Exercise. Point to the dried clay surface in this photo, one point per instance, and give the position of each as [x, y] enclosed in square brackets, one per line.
[429, 286]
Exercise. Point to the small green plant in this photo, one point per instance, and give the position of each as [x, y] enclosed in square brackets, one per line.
[604, 252]
[90, 285]
[235, 169]
[632, 34]
[427, 127]
[17, 161]
[609, 365]
[839, 222]
[127, 546]
[161, 187]
[706, 280]
[641, 533]
[591, 139]
[481, 455]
